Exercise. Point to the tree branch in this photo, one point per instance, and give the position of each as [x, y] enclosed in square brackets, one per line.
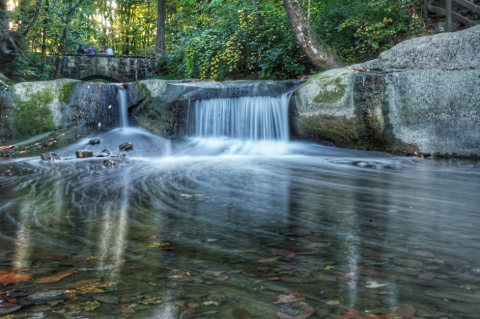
[37, 10]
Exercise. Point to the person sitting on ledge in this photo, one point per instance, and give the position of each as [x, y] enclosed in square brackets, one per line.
[80, 49]
[102, 50]
[91, 50]
[109, 51]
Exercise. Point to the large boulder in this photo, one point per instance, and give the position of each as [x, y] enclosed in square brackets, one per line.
[30, 108]
[422, 95]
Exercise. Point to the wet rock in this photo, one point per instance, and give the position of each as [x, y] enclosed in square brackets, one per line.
[423, 253]
[217, 298]
[46, 296]
[298, 232]
[322, 277]
[104, 153]
[94, 141]
[109, 162]
[453, 295]
[240, 313]
[77, 135]
[405, 311]
[127, 146]
[50, 157]
[7, 310]
[408, 262]
[427, 314]
[119, 155]
[107, 299]
[322, 312]
[84, 153]
[110, 309]
[321, 244]
[284, 309]
[292, 306]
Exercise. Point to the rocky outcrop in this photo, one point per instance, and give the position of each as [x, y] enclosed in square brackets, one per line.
[31, 108]
[422, 95]
[157, 105]
[8, 48]
[167, 108]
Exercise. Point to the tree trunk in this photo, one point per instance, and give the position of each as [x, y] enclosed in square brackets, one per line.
[34, 20]
[257, 15]
[161, 16]
[317, 51]
[8, 48]
[44, 34]
[63, 44]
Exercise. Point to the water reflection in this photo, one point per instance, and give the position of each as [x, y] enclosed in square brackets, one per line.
[172, 236]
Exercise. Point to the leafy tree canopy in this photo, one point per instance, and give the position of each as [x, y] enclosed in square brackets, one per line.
[207, 39]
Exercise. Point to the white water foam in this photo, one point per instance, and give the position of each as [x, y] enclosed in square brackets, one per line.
[256, 118]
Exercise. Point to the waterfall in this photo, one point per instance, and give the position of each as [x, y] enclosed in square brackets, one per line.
[246, 118]
[122, 104]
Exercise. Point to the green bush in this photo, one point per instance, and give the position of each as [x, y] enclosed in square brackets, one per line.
[355, 28]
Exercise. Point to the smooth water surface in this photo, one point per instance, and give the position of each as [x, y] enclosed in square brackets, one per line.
[220, 228]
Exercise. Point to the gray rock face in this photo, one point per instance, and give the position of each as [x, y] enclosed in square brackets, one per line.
[424, 96]
[445, 51]
[56, 104]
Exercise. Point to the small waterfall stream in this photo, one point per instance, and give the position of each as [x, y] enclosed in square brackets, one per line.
[246, 118]
[123, 108]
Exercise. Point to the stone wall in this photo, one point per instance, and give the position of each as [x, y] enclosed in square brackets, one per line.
[116, 68]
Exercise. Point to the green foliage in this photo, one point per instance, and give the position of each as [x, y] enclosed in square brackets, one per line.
[234, 45]
[210, 39]
[356, 28]
[29, 67]
[65, 92]
[32, 114]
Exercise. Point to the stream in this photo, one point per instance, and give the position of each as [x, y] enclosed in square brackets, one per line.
[238, 222]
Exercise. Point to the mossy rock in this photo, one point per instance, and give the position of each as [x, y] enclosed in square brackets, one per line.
[33, 114]
[332, 92]
[342, 131]
[66, 92]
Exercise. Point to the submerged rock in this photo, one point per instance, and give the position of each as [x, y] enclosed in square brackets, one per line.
[119, 155]
[127, 146]
[94, 141]
[50, 157]
[109, 162]
[84, 153]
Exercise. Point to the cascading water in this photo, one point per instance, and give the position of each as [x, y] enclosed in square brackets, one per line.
[122, 105]
[246, 118]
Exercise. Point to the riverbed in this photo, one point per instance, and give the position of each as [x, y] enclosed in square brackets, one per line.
[224, 228]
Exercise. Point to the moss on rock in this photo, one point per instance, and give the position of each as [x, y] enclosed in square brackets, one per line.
[332, 92]
[32, 113]
[65, 92]
[340, 130]
[142, 88]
